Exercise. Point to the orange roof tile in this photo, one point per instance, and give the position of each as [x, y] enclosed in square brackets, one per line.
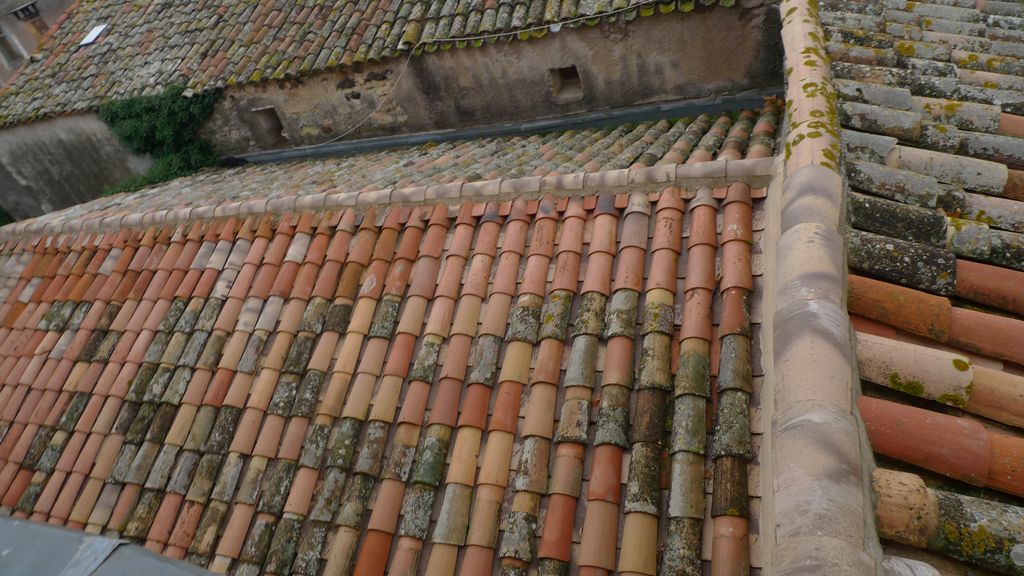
[364, 372]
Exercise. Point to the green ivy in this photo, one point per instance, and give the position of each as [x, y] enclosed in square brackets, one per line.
[165, 127]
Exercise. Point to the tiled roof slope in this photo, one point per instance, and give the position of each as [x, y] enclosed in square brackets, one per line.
[150, 44]
[471, 387]
[930, 97]
[402, 173]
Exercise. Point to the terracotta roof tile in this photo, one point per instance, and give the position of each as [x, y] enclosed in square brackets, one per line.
[509, 157]
[930, 99]
[474, 361]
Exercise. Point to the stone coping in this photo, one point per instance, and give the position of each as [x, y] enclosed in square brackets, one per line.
[820, 459]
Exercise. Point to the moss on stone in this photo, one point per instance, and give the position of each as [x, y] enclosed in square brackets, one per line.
[912, 387]
[906, 49]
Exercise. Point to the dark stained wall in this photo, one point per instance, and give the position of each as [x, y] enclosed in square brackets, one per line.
[60, 162]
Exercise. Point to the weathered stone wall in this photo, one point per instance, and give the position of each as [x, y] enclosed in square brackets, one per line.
[652, 59]
[60, 162]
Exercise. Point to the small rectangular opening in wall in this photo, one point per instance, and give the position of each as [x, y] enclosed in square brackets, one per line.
[30, 13]
[26, 12]
[566, 84]
[266, 126]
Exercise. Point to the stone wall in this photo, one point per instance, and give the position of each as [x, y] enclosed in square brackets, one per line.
[60, 162]
[651, 59]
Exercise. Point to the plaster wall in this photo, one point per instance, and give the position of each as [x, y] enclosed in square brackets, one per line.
[651, 59]
[56, 163]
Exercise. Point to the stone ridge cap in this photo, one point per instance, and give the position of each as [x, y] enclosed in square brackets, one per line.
[722, 172]
[820, 461]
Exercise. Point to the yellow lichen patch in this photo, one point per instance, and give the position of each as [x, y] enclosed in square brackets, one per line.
[972, 543]
[981, 217]
[952, 400]
[994, 63]
[909, 386]
[906, 49]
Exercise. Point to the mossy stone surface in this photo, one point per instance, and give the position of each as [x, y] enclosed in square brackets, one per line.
[342, 446]
[385, 317]
[897, 220]
[910, 264]
[356, 495]
[430, 456]
[554, 321]
[643, 489]
[283, 546]
[483, 360]
[223, 431]
[732, 426]
[416, 508]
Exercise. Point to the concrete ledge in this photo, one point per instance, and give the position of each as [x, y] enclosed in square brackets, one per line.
[813, 355]
[896, 566]
[816, 456]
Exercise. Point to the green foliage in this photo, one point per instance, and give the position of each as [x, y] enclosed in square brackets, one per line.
[164, 126]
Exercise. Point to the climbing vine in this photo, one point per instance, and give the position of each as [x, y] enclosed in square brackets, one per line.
[165, 126]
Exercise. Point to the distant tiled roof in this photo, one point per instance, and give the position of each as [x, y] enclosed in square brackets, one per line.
[930, 97]
[403, 173]
[150, 44]
[404, 386]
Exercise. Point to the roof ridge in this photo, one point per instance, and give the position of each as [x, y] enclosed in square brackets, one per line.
[755, 172]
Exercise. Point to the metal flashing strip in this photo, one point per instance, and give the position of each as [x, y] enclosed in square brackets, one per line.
[92, 551]
[645, 112]
[34, 549]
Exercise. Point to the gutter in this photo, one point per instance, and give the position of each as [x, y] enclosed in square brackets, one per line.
[643, 112]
